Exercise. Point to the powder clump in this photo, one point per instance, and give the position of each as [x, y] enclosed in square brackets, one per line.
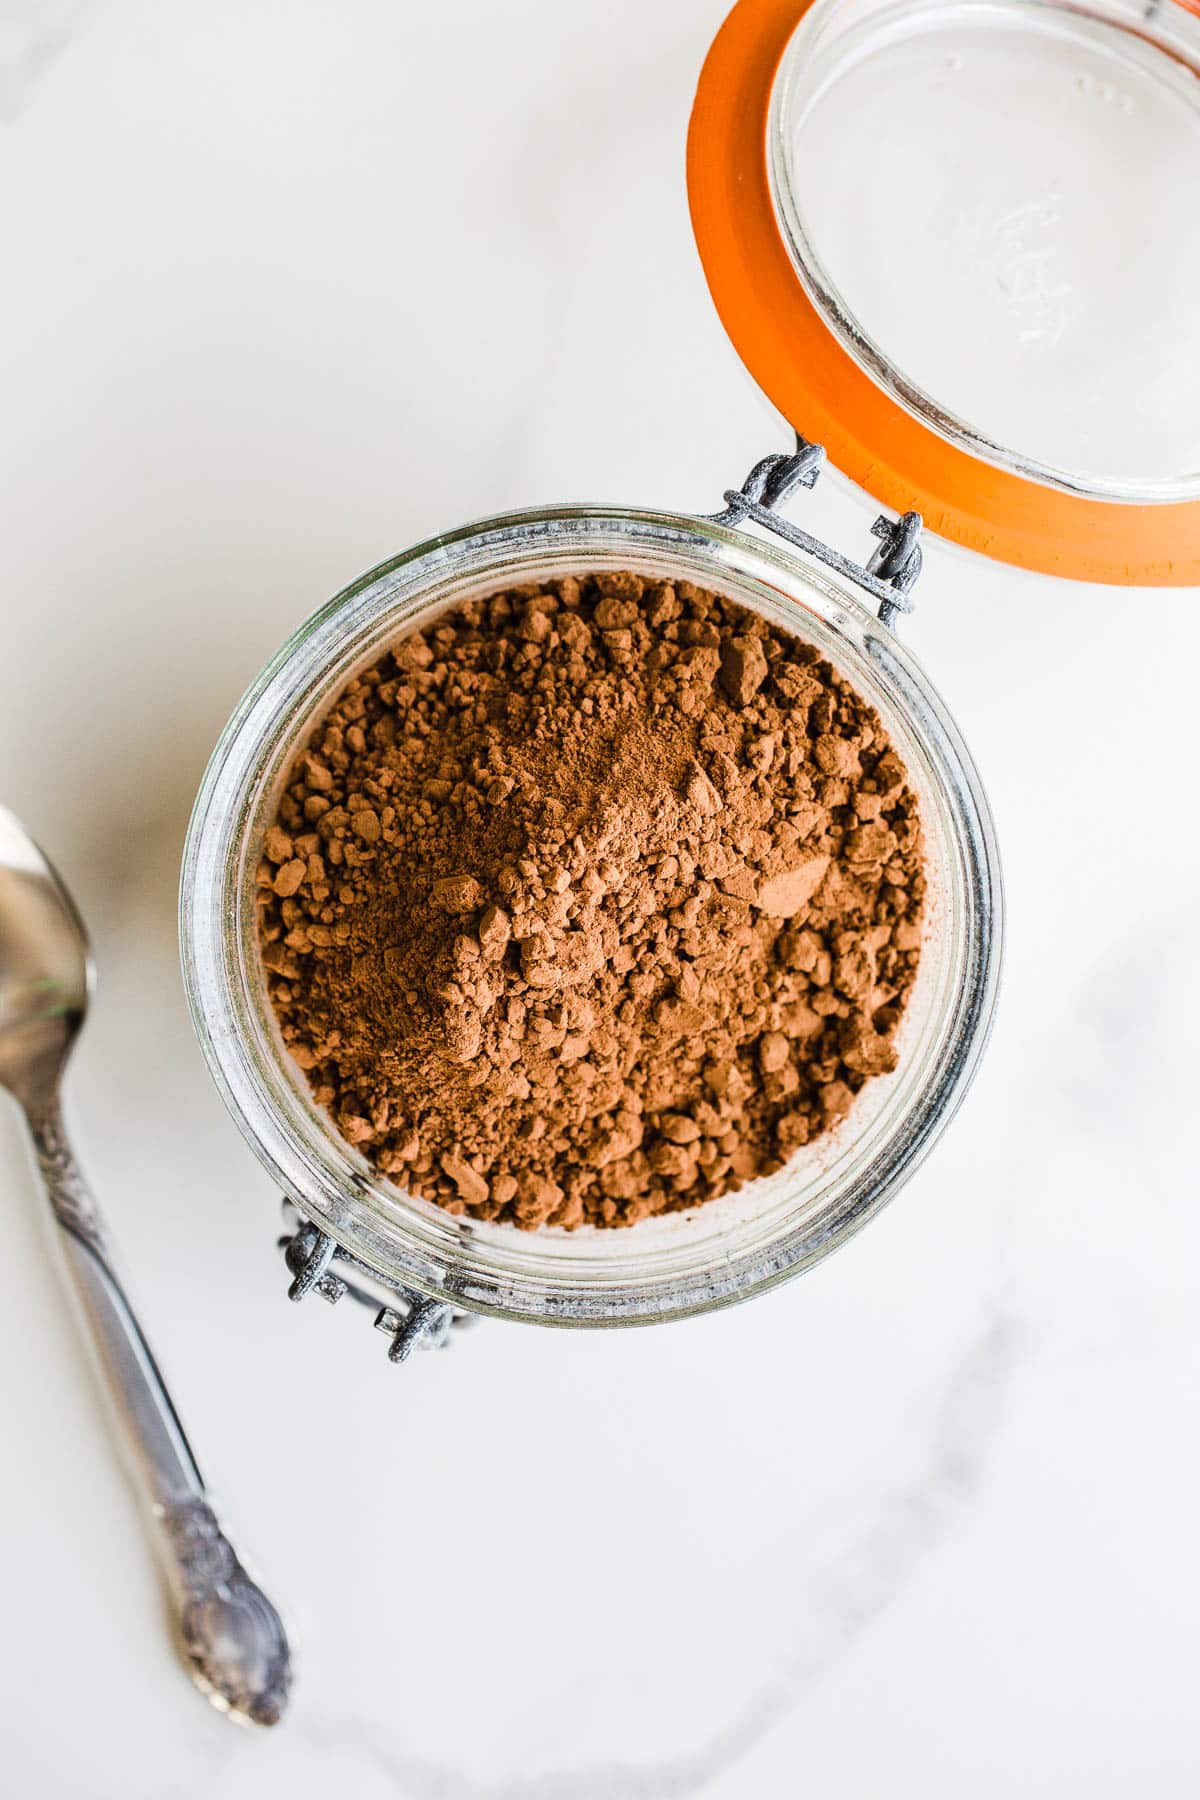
[590, 901]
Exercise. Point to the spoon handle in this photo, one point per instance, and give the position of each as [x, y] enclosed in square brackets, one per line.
[232, 1637]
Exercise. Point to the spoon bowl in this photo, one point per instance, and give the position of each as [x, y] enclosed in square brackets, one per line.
[46, 971]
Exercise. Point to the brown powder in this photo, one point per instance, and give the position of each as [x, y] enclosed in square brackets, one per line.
[592, 901]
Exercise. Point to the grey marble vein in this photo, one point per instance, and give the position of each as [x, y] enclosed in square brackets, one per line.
[835, 1606]
[33, 35]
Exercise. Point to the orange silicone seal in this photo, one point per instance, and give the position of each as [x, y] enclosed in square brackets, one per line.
[799, 363]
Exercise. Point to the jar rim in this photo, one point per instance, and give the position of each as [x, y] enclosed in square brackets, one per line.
[710, 1256]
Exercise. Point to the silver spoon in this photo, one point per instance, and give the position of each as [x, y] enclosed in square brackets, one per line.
[231, 1636]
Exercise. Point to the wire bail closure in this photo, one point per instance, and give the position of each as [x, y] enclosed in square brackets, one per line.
[412, 1321]
[891, 573]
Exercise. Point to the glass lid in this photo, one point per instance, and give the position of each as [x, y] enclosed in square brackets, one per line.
[956, 241]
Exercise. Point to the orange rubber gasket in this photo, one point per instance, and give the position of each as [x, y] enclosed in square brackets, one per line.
[798, 362]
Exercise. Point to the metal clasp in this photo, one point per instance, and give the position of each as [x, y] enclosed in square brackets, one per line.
[893, 568]
[412, 1321]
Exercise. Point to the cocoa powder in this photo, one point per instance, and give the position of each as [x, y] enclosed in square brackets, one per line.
[592, 901]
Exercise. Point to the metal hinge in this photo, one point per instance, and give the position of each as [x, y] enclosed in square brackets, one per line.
[892, 571]
[411, 1320]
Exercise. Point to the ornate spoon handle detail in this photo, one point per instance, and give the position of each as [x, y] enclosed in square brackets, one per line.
[232, 1637]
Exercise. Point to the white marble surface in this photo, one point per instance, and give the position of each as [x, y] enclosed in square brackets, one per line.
[286, 286]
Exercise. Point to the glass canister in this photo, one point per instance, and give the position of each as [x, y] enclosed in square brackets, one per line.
[946, 332]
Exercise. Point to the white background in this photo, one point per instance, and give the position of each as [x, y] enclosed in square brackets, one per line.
[285, 287]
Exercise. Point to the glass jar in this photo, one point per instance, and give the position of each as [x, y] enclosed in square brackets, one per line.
[685, 1262]
[953, 322]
